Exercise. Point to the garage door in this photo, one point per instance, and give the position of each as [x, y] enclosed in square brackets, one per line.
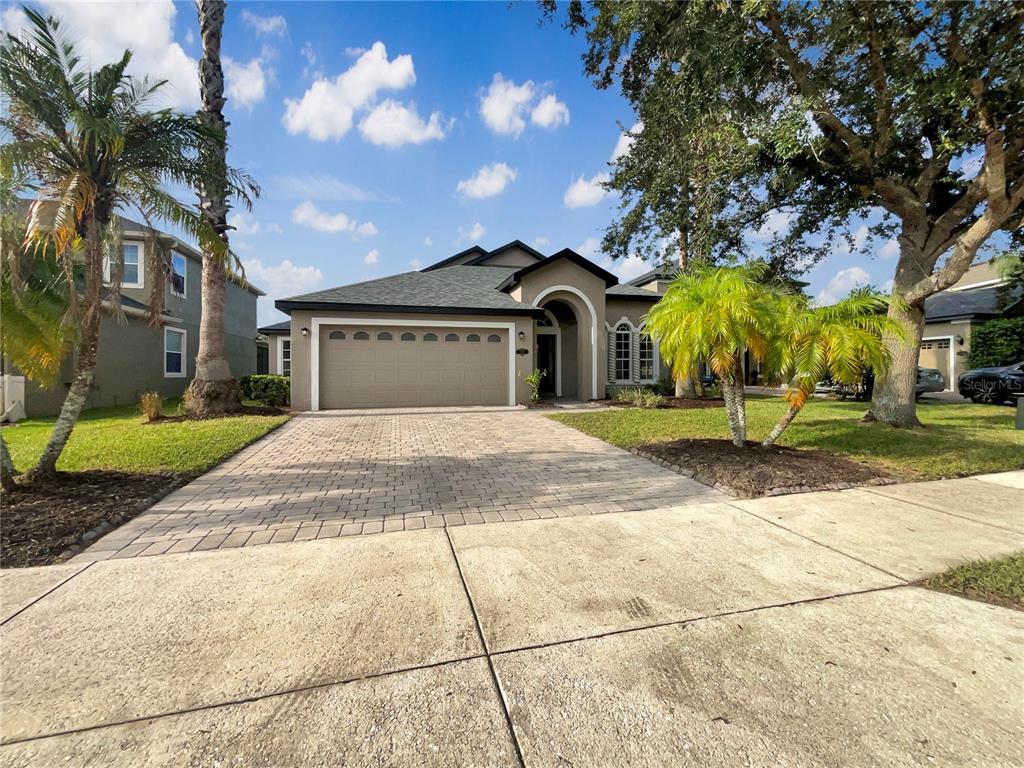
[935, 354]
[377, 367]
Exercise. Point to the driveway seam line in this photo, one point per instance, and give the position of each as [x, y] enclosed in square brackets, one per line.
[820, 543]
[245, 700]
[696, 619]
[487, 652]
[943, 512]
[48, 592]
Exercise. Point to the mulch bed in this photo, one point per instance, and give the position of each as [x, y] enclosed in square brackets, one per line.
[670, 402]
[247, 410]
[754, 471]
[43, 521]
[542, 404]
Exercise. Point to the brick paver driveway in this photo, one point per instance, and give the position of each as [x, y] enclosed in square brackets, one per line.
[339, 473]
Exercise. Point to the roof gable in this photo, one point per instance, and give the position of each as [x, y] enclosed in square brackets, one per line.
[462, 257]
[566, 254]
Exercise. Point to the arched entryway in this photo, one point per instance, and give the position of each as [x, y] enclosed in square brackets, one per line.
[557, 341]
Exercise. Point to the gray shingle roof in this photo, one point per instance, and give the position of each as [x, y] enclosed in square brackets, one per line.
[632, 292]
[283, 327]
[459, 287]
[988, 301]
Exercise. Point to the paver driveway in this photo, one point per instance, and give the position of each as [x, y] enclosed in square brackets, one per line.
[338, 473]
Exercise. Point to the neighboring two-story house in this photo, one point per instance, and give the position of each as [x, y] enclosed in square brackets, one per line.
[138, 355]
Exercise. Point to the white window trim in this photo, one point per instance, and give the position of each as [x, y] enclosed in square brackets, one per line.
[142, 265]
[280, 354]
[184, 276]
[553, 330]
[314, 352]
[184, 353]
[981, 284]
[593, 326]
[950, 378]
[656, 363]
[615, 351]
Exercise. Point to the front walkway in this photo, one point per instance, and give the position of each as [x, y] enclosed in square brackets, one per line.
[339, 473]
[723, 634]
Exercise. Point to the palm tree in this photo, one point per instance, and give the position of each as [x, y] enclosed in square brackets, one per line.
[92, 147]
[837, 341]
[715, 314]
[214, 389]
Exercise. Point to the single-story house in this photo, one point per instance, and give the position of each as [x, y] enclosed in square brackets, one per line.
[135, 355]
[951, 315]
[467, 331]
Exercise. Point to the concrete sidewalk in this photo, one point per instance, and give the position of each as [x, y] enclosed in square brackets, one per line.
[770, 632]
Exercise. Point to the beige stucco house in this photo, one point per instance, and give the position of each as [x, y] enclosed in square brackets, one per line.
[466, 331]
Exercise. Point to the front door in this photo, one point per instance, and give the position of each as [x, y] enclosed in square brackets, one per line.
[546, 362]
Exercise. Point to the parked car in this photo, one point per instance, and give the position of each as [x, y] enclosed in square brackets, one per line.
[928, 380]
[992, 385]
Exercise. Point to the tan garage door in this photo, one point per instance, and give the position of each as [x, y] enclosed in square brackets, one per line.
[376, 366]
[935, 354]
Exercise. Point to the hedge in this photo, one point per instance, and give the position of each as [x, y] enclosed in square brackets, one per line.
[271, 390]
[997, 342]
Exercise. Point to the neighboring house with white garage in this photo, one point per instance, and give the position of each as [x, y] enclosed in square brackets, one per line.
[136, 354]
[951, 316]
[466, 331]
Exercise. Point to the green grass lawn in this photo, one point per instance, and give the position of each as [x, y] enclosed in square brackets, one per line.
[999, 581]
[117, 439]
[958, 439]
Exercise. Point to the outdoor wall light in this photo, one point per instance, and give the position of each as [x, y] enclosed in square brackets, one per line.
[522, 335]
[304, 331]
[959, 339]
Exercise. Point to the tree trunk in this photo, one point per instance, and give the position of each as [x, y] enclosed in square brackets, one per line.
[6, 467]
[85, 369]
[893, 400]
[213, 390]
[784, 422]
[735, 408]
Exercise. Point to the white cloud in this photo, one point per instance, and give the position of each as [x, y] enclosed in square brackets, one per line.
[354, 51]
[326, 109]
[589, 248]
[853, 244]
[584, 192]
[391, 124]
[887, 286]
[246, 224]
[839, 286]
[541, 242]
[427, 241]
[103, 31]
[372, 257]
[489, 181]
[415, 263]
[473, 234]
[279, 281]
[550, 112]
[265, 25]
[625, 142]
[890, 250]
[775, 223]
[310, 216]
[504, 105]
[628, 268]
[246, 84]
[324, 187]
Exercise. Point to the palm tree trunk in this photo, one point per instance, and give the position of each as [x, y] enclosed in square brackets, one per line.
[213, 390]
[74, 402]
[684, 384]
[6, 467]
[780, 427]
[734, 405]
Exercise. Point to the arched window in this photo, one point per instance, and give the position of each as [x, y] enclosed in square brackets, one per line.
[473, 337]
[623, 352]
[361, 336]
[384, 336]
[336, 335]
[544, 322]
[430, 337]
[494, 338]
[645, 357]
[451, 337]
[408, 336]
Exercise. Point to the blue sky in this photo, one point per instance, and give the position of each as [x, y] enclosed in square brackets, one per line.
[387, 136]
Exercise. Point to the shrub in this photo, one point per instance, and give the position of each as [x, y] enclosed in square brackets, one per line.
[151, 405]
[267, 389]
[997, 342]
[641, 397]
[533, 381]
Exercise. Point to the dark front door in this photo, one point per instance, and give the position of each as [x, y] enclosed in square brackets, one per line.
[546, 362]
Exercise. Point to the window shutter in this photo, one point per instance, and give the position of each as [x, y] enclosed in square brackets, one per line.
[611, 356]
[634, 357]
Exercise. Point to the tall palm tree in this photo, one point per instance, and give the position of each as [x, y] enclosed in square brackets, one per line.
[93, 148]
[838, 341]
[213, 389]
[715, 315]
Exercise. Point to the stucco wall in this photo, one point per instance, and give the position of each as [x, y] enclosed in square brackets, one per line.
[300, 379]
[513, 257]
[955, 328]
[274, 350]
